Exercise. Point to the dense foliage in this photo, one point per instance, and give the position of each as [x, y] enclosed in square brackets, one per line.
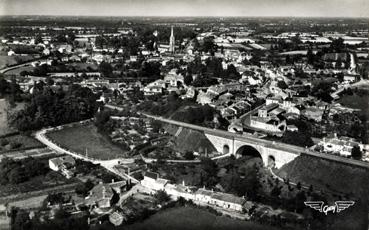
[15, 172]
[49, 107]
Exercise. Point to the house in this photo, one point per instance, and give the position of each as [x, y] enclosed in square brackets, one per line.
[339, 145]
[65, 48]
[190, 93]
[313, 113]
[152, 181]
[105, 195]
[204, 98]
[227, 201]
[172, 78]
[64, 164]
[117, 218]
[351, 77]
[292, 128]
[203, 195]
[268, 119]
[223, 200]
[11, 53]
[155, 87]
[180, 190]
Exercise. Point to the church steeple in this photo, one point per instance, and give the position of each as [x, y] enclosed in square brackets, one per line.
[172, 41]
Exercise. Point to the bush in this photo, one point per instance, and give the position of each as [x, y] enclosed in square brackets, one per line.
[15, 145]
[161, 196]
[4, 142]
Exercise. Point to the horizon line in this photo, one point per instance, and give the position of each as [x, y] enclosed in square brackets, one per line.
[180, 16]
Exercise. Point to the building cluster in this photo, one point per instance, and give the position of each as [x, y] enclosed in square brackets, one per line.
[199, 196]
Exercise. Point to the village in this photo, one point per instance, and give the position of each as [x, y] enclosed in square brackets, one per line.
[92, 103]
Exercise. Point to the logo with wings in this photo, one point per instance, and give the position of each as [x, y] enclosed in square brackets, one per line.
[337, 207]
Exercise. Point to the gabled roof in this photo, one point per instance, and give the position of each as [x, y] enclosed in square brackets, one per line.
[228, 198]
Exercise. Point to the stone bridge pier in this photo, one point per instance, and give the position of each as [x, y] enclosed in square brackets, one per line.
[270, 154]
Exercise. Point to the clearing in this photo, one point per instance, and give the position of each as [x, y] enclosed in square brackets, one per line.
[84, 139]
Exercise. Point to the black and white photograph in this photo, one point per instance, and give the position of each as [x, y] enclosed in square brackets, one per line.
[184, 114]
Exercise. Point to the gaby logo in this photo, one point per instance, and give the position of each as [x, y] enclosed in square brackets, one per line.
[337, 207]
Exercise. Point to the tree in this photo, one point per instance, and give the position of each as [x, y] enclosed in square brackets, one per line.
[61, 214]
[209, 45]
[232, 72]
[105, 69]
[189, 155]
[282, 85]
[49, 108]
[298, 186]
[356, 153]
[17, 175]
[276, 191]
[156, 126]
[299, 201]
[161, 196]
[83, 188]
[299, 138]
[188, 79]
[21, 220]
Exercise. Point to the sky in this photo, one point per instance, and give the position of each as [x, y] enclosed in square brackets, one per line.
[293, 8]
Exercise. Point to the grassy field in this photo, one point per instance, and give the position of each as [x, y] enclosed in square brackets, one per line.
[85, 137]
[356, 102]
[191, 218]
[190, 140]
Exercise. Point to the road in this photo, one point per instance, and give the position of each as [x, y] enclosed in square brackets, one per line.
[108, 164]
[19, 65]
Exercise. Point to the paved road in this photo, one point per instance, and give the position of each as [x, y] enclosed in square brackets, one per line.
[19, 65]
[108, 164]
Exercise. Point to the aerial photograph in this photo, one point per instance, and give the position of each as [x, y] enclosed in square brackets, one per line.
[184, 114]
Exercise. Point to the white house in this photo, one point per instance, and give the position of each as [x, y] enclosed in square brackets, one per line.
[152, 181]
[64, 164]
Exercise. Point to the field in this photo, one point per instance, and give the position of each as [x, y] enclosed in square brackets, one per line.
[82, 138]
[356, 101]
[190, 140]
[191, 218]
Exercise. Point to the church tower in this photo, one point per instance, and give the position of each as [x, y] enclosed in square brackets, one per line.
[172, 41]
